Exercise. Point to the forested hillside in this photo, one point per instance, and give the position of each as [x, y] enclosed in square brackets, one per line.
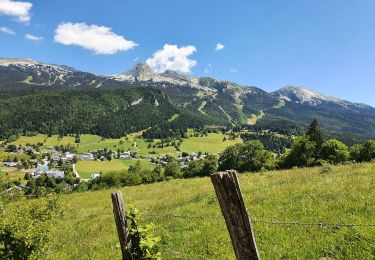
[103, 112]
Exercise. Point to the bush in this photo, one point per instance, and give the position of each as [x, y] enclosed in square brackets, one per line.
[355, 152]
[229, 158]
[144, 244]
[25, 232]
[201, 168]
[368, 151]
[250, 156]
[172, 170]
[302, 154]
[334, 151]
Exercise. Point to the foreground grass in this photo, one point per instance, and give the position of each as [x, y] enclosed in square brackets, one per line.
[345, 195]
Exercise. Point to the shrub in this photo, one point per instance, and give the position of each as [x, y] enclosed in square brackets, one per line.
[25, 232]
[229, 158]
[144, 244]
[368, 151]
[172, 170]
[250, 156]
[303, 153]
[355, 152]
[334, 151]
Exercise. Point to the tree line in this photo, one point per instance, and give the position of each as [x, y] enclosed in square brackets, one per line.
[108, 113]
[310, 149]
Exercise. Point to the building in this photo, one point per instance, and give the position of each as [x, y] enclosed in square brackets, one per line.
[86, 157]
[40, 169]
[10, 164]
[55, 173]
[125, 155]
[95, 175]
[16, 188]
[67, 157]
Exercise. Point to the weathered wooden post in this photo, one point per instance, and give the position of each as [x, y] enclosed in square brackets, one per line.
[235, 214]
[121, 224]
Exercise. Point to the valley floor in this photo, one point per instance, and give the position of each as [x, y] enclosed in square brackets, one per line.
[344, 194]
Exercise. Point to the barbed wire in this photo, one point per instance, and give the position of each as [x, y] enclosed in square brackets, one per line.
[253, 221]
[320, 224]
[87, 216]
[182, 255]
[183, 216]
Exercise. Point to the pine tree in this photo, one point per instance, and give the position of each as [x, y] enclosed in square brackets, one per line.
[77, 139]
[315, 134]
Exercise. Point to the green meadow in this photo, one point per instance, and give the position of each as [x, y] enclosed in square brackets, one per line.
[86, 168]
[342, 194]
[12, 175]
[212, 143]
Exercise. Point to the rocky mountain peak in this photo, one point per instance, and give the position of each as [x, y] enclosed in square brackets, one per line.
[140, 69]
[304, 95]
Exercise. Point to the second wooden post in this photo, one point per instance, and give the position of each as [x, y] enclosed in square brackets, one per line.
[235, 214]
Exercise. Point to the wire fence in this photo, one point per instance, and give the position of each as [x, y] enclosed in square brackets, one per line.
[219, 217]
[175, 254]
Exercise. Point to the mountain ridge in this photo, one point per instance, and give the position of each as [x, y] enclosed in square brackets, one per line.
[143, 72]
[213, 101]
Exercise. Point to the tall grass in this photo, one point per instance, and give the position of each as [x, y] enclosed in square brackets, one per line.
[344, 195]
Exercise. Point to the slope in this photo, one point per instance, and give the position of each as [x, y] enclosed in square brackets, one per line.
[345, 195]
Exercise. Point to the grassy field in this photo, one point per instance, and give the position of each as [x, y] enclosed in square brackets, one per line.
[13, 175]
[213, 143]
[86, 168]
[344, 195]
[280, 105]
[255, 118]
[4, 155]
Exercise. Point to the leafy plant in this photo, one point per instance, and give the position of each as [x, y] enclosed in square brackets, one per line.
[144, 244]
[25, 232]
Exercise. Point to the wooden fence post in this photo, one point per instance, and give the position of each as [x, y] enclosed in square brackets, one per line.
[235, 214]
[121, 224]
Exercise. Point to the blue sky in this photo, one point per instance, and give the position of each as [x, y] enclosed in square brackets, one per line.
[326, 45]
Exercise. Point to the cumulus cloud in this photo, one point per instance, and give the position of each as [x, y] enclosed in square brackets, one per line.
[19, 10]
[173, 58]
[7, 30]
[219, 46]
[99, 39]
[33, 38]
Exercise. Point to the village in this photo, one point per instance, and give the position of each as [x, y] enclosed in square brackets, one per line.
[55, 163]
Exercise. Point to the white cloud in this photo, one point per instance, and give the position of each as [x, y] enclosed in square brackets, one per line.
[19, 10]
[173, 58]
[33, 38]
[219, 46]
[233, 70]
[7, 30]
[99, 39]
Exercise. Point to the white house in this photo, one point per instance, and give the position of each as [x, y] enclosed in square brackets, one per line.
[55, 173]
[95, 175]
[40, 169]
[125, 155]
[86, 157]
[10, 164]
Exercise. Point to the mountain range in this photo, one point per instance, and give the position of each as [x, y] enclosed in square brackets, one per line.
[201, 99]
